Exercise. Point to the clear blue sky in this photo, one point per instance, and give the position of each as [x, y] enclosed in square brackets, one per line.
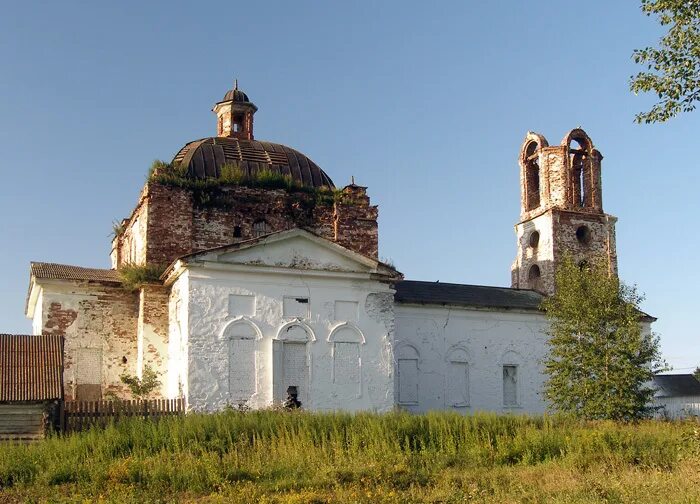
[425, 103]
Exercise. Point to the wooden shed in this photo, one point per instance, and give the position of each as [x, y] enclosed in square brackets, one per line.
[31, 385]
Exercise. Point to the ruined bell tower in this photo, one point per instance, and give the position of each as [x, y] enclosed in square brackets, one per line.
[561, 210]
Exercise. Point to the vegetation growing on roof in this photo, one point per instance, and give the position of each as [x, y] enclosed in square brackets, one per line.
[134, 276]
[209, 191]
[118, 228]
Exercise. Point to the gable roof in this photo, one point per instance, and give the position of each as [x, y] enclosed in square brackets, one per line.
[480, 296]
[53, 271]
[31, 367]
[676, 385]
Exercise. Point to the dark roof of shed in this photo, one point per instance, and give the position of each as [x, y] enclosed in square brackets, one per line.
[676, 385]
[31, 367]
[204, 159]
[480, 296]
[52, 271]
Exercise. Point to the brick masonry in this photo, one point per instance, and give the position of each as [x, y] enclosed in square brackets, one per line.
[561, 210]
[99, 323]
[171, 221]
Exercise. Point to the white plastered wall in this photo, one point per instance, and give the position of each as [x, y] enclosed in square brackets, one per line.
[487, 340]
[369, 387]
[178, 303]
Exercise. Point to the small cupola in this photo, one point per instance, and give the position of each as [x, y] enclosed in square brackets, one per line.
[234, 115]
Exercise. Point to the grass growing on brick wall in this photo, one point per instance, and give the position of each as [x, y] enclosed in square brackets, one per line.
[133, 276]
[300, 457]
[206, 189]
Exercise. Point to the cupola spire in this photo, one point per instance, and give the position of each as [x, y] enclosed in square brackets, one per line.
[234, 114]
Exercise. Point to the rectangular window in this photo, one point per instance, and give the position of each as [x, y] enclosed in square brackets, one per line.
[408, 381]
[241, 304]
[296, 307]
[510, 385]
[346, 311]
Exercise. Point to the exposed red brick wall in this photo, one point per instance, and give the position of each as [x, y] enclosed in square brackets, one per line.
[58, 319]
[94, 316]
[182, 221]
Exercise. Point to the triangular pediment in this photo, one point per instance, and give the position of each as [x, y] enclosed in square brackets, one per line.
[297, 249]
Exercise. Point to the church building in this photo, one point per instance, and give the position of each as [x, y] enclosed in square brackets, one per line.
[259, 274]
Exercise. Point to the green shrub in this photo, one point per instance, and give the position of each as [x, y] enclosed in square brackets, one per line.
[134, 276]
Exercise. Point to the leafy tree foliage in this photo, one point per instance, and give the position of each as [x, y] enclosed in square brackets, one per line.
[673, 68]
[600, 362]
[696, 373]
[142, 387]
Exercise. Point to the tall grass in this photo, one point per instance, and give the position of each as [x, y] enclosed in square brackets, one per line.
[275, 451]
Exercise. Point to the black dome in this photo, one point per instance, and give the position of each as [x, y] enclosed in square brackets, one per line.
[236, 95]
[204, 159]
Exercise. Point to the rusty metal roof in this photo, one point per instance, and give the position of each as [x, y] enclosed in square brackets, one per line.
[204, 159]
[52, 271]
[236, 95]
[479, 296]
[31, 367]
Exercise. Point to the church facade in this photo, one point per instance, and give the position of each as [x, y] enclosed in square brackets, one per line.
[260, 275]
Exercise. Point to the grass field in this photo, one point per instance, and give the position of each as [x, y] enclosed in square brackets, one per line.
[337, 458]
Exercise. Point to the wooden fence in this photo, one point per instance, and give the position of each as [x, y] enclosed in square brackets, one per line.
[80, 415]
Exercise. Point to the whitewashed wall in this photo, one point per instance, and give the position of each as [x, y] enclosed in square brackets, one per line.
[344, 333]
[177, 338]
[453, 358]
[677, 407]
[99, 323]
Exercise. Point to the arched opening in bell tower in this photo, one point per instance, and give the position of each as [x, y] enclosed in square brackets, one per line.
[579, 151]
[532, 177]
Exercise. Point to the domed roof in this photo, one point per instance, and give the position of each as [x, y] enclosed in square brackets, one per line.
[204, 159]
[236, 95]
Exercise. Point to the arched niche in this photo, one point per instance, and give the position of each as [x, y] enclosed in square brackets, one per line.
[241, 328]
[241, 335]
[346, 333]
[291, 361]
[347, 363]
[295, 331]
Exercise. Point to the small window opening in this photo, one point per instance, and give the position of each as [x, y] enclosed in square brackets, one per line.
[510, 385]
[124, 359]
[583, 235]
[533, 276]
[237, 123]
[261, 228]
[534, 239]
[302, 300]
[534, 273]
[236, 231]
